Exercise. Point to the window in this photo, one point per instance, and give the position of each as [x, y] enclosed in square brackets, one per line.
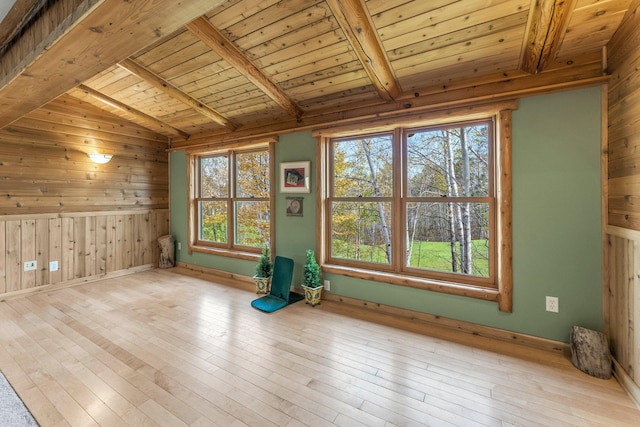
[230, 207]
[422, 206]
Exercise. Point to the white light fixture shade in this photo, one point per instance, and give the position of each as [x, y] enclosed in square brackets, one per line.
[100, 158]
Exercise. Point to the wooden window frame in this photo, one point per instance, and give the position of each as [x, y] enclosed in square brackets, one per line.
[500, 289]
[230, 248]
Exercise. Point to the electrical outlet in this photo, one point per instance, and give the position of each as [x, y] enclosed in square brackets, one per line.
[327, 285]
[552, 304]
[53, 266]
[30, 265]
[179, 246]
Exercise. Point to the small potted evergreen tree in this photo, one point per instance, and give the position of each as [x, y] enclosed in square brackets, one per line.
[264, 270]
[311, 284]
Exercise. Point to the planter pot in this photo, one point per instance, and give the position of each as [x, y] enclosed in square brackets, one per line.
[312, 295]
[263, 284]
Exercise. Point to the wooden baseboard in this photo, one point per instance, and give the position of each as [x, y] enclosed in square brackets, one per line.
[452, 324]
[75, 282]
[627, 383]
[423, 320]
[223, 277]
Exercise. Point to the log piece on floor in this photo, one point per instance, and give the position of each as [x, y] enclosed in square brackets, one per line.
[590, 352]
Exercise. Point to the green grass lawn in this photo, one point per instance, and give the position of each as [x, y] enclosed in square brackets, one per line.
[431, 255]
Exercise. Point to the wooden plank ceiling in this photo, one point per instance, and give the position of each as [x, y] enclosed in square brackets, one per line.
[247, 67]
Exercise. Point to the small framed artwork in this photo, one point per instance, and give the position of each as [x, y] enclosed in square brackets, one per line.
[295, 206]
[294, 177]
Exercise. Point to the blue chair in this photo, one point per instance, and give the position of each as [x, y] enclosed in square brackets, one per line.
[278, 297]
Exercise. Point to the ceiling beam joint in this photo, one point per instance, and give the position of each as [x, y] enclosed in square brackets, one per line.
[355, 20]
[166, 87]
[217, 42]
[548, 22]
[138, 114]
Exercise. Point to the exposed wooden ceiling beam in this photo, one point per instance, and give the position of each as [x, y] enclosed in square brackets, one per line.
[145, 118]
[14, 19]
[163, 85]
[355, 20]
[206, 32]
[92, 43]
[548, 21]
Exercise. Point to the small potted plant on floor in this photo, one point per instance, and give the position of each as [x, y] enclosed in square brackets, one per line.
[311, 284]
[263, 272]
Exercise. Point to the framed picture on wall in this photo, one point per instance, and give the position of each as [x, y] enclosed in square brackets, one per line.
[294, 177]
[295, 206]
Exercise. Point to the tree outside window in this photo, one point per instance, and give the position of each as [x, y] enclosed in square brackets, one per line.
[232, 202]
[416, 206]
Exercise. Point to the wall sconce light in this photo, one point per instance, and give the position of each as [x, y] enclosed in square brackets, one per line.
[100, 158]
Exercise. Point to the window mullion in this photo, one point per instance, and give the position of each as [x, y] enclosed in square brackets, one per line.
[231, 208]
[398, 209]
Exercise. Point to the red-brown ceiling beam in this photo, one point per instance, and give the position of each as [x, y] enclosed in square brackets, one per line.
[355, 20]
[163, 85]
[217, 42]
[94, 37]
[548, 21]
[143, 117]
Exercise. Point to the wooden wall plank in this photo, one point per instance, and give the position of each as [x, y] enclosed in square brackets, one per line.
[101, 245]
[129, 238]
[55, 248]
[3, 256]
[633, 315]
[28, 252]
[14, 255]
[90, 246]
[68, 249]
[45, 162]
[111, 243]
[120, 243]
[42, 251]
[84, 245]
[79, 268]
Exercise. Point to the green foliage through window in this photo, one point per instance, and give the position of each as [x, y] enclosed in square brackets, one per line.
[233, 199]
[444, 209]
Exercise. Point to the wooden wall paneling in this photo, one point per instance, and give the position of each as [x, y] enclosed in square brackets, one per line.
[68, 249]
[28, 252]
[128, 239]
[155, 233]
[14, 253]
[617, 274]
[112, 246]
[79, 247]
[90, 246]
[55, 248]
[633, 315]
[141, 241]
[120, 246]
[3, 256]
[101, 244]
[42, 251]
[84, 245]
[622, 300]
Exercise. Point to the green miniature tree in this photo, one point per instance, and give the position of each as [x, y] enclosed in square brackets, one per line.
[264, 267]
[311, 271]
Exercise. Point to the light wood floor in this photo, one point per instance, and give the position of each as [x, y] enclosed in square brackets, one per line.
[159, 348]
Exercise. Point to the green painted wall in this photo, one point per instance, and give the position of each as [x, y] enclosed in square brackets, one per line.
[557, 247]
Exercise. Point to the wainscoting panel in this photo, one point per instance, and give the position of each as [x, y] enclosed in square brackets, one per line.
[83, 244]
[621, 304]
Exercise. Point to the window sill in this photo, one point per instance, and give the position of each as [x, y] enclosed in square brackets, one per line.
[452, 288]
[249, 256]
